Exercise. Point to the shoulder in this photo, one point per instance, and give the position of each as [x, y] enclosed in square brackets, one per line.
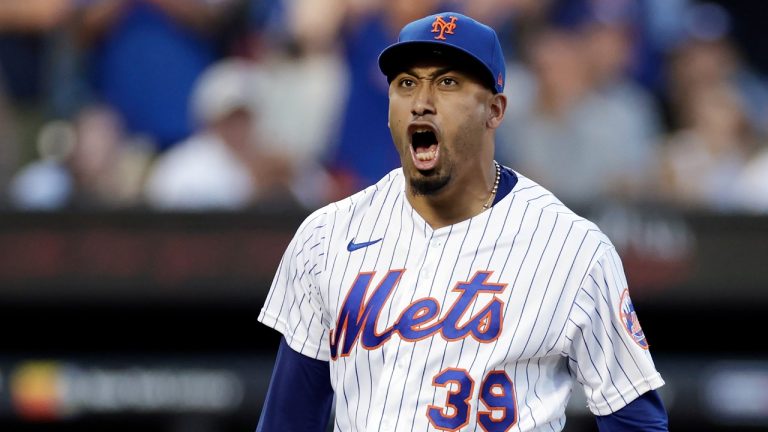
[539, 203]
[355, 206]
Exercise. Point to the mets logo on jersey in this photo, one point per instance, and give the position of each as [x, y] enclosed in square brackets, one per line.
[358, 317]
[440, 26]
[630, 321]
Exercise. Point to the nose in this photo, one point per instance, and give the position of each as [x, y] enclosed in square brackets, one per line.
[423, 101]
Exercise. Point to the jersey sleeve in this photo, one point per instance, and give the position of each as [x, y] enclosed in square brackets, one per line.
[606, 347]
[294, 305]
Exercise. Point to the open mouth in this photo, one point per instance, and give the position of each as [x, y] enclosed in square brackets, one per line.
[424, 147]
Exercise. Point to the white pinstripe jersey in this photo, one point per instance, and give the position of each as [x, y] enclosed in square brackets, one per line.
[475, 326]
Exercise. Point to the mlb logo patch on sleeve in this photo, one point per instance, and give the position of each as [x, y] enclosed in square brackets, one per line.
[630, 321]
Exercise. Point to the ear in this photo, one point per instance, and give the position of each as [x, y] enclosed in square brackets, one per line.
[497, 105]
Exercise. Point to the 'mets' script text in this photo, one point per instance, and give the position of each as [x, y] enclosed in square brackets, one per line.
[420, 319]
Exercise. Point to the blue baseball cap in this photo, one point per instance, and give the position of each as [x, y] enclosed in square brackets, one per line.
[450, 35]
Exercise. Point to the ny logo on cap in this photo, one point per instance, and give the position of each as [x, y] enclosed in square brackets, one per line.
[442, 27]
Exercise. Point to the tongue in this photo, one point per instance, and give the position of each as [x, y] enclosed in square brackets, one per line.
[425, 158]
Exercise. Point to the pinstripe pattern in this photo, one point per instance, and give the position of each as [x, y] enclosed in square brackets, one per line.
[559, 311]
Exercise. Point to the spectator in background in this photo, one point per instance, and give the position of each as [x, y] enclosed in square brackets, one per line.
[661, 24]
[213, 168]
[89, 164]
[630, 110]
[145, 55]
[300, 79]
[576, 123]
[703, 160]
[224, 165]
[608, 46]
[718, 104]
[705, 56]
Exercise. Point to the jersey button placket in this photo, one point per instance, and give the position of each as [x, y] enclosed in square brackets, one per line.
[433, 254]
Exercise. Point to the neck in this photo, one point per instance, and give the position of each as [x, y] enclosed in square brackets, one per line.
[461, 199]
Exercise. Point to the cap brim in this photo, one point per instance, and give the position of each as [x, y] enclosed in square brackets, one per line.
[400, 56]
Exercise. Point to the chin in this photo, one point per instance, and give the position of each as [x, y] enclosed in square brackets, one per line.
[428, 183]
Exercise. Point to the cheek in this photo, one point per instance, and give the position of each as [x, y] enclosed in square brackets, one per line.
[468, 127]
[396, 121]
[396, 127]
[396, 104]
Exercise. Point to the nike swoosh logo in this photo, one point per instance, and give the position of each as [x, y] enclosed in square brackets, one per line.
[352, 246]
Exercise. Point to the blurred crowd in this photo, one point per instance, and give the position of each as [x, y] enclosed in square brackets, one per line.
[186, 105]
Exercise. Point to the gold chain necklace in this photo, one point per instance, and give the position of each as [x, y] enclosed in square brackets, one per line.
[488, 203]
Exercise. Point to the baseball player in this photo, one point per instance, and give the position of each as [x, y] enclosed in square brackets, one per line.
[454, 294]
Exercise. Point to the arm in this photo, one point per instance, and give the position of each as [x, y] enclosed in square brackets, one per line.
[300, 394]
[644, 414]
[606, 345]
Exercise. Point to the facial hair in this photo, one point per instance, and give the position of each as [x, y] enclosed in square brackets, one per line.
[433, 181]
[429, 185]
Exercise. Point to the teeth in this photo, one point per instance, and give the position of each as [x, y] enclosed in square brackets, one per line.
[426, 155]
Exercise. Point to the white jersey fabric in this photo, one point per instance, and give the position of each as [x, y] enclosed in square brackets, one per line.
[481, 325]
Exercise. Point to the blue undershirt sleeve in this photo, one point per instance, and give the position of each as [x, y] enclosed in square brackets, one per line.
[644, 414]
[300, 395]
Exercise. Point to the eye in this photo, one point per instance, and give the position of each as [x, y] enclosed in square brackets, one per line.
[406, 82]
[448, 82]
